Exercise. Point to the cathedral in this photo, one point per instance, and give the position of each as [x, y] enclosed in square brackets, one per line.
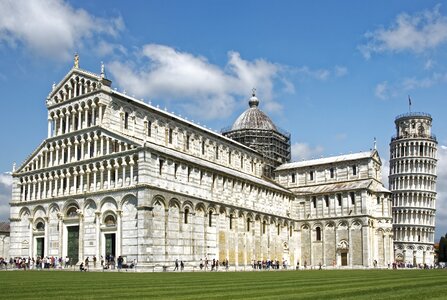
[120, 177]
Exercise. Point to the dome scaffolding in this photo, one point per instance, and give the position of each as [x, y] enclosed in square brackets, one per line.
[256, 130]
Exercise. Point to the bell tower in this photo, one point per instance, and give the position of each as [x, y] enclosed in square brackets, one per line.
[412, 181]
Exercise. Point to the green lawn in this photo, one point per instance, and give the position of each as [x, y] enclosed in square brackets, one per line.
[333, 284]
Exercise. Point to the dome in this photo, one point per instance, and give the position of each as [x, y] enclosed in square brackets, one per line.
[253, 118]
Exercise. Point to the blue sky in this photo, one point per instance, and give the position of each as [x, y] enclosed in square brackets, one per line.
[334, 74]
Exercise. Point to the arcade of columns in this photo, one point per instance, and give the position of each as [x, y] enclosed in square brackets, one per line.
[413, 207]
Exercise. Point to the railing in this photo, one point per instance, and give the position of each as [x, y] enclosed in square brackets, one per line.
[416, 136]
[279, 130]
[413, 114]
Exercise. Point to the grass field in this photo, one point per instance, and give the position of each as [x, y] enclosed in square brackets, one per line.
[333, 284]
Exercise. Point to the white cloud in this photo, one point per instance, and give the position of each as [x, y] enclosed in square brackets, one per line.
[409, 84]
[6, 179]
[341, 136]
[5, 195]
[104, 49]
[198, 85]
[340, 71]
[51, 28]
[441, 189]
[319, 74]
[384, 90]
[385, 172]
[429, 64]
[415, 33]
[304, 151]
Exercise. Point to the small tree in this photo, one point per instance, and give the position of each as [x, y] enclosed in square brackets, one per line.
[442, 254]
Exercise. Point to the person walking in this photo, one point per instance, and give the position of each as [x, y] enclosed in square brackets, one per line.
[120, 262]
[182, 265]
[176, 265]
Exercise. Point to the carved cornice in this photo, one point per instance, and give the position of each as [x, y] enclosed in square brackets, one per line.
[145, 208]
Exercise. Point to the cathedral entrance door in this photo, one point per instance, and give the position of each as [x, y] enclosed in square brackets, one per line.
[40, 242]
[344, 258]
[73, 244]
[110, 244]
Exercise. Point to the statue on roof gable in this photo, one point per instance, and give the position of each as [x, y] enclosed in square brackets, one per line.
[76, 61]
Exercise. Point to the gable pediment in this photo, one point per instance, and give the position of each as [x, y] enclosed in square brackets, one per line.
[76, 83]
[376, 157]
[37, 159]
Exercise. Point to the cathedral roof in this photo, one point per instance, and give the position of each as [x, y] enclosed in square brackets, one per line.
[329, 160]
[369, 184]
[253, 118]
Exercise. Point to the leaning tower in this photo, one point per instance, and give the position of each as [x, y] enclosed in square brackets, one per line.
[413, 184]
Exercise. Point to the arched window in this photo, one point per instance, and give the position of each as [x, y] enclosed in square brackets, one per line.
[231, 221]
[72, 212]
[110, 221]
[126, 120]
[352, 195]
[263, 227]
[210, 218]
[40, 226]
[160, 166]
[318, 234]
[170, 136]
[248, 224]
[354, 170]
[185, 218]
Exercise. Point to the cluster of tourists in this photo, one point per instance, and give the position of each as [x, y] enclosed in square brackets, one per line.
[30, 263]
[402, 265]
[269, 264]
[182, 265]
[212, 265]
[54, 262]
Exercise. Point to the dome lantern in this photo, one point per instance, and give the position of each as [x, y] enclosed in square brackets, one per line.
[253, 102]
